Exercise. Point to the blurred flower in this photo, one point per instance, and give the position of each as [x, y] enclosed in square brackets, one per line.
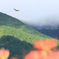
[36, 55]
[45, 44]
[4, 54]
[53, 55]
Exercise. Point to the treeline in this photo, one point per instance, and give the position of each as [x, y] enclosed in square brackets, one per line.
[50, 32]
[15, 46]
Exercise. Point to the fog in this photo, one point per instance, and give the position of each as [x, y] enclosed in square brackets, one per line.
[52, 20]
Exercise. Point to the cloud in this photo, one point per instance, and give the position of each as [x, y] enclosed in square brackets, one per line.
[52, 20]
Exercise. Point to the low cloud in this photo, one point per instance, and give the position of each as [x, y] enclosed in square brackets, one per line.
[48, 21]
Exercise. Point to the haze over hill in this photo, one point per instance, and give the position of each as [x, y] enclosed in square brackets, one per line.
[50, 27]
[49, 21]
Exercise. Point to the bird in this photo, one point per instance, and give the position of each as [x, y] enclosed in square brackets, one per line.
[16, 10]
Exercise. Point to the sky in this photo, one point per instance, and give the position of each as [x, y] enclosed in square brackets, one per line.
[35, 12]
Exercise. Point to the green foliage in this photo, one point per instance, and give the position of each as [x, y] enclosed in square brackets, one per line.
[21, 34]
[15, 46]
[32, 31]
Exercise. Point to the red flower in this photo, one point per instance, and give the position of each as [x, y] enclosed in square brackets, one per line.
[36, 55]
[53, 55]
[32, 55]
[4, 53]
[45, 44]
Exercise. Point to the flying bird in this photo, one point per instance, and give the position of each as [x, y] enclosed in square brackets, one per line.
[16, 10]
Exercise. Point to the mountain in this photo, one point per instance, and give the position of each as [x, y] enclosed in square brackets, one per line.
[52, 31]
[17, 36]
[12, 26]
[10, 21]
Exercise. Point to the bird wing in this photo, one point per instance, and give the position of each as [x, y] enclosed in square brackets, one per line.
[16, 10]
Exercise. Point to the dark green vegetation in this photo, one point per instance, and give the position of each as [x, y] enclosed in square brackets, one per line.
[10, 21]
[51, 32]
[15, 46]
[16, 36]
[48, 30]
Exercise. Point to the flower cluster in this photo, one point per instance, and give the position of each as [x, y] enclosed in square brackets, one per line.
[43, 50]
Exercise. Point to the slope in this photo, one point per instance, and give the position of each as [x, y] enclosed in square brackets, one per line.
[7, 20]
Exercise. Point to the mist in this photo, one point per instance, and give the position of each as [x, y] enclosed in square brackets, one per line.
[52, 20]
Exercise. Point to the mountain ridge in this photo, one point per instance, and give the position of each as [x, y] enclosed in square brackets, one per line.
[11, 20]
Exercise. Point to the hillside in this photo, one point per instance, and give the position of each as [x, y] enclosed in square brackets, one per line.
[21, 33]
[12, 24]
[10, 21]
[17, 36]
[52, 31]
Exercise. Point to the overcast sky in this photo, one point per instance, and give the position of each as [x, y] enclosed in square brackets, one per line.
[32, 11]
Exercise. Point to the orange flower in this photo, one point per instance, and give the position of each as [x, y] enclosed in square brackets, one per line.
[36, 55]
[42, 55]
[32, 55]
[45, 44]
[53, 55]
[4, 53]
